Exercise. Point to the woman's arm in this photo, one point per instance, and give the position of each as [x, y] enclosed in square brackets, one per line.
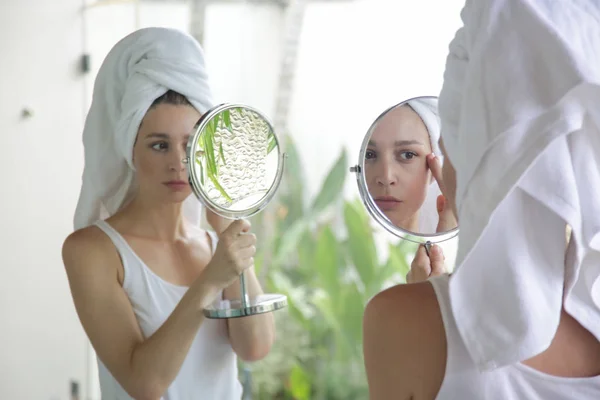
[404, 344]
[144, 368]
[251, 337]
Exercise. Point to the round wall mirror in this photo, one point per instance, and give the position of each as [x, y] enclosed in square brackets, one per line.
[399, 173]
[235, 164]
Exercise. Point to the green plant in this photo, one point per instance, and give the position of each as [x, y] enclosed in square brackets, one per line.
[210, 154]
[322, 255]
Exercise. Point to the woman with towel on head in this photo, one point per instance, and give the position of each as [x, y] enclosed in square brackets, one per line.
[403, 167]
[519, 318]
[404, 163]
[140, 269]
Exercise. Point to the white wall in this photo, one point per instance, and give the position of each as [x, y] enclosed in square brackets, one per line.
[42, 345]
[243, 47]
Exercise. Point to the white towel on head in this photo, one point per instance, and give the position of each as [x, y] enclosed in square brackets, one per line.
[140, 68]
[521, 125]
[427, 108]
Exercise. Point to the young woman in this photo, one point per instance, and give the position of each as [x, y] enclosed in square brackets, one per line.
[140, 269]
[519, 318]
[399, 163]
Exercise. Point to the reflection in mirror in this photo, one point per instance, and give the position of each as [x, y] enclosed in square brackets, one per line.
[235, 166]
[400, 171]
[237, 160]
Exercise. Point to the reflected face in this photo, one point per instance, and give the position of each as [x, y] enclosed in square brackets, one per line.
[160, 149]
[396, 167]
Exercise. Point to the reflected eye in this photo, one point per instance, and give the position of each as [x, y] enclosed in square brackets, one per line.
[407, 155]
[160, 146]
[370, 154]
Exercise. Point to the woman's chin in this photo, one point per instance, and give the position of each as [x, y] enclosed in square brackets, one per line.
[403, 222]
[178, 196]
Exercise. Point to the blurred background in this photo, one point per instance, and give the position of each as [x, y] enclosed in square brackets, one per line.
[322, 70]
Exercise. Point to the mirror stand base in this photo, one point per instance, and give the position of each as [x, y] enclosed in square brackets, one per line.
[264, 303]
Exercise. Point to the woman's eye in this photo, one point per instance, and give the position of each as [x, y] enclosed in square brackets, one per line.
[369, 154]
[160, 146]
[407, 155]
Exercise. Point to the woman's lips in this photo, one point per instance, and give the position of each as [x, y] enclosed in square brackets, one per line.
[177, 185]
[387, 203]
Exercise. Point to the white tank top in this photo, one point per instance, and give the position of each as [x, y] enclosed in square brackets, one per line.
[514, 382]
[209, 371]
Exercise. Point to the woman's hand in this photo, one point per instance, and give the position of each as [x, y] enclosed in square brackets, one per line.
[424, 267]
[234, 254]
[447, 219]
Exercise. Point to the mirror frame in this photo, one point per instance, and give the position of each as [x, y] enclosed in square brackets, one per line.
[374, 211]
[195, 181]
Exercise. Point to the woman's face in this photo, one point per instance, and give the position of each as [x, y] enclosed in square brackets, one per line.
[160, 149]
[396, 167]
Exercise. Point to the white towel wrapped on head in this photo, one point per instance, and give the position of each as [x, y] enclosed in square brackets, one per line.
[521, 125]
[140, 68]
[427, 109]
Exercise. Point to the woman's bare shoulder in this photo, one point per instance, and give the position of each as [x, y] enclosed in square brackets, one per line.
[404, 343]
[86, 248]
[90, 238]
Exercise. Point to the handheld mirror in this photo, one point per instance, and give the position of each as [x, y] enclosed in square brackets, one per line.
[400, 187]
[235, 165]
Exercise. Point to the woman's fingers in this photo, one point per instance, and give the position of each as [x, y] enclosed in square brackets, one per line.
[446, 219]
[436, 260]
[435, 165]
[420, 268]
[424, 266]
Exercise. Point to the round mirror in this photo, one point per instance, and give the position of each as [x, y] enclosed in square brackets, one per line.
[398, 178]
[235, 164]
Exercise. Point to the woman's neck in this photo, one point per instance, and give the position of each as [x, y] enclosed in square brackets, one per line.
[159, 221]
[411, 224]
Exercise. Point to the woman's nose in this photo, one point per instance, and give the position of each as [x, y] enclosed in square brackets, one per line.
[177, 161]
[385, 175]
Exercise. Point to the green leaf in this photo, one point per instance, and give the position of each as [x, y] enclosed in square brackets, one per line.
[362, 250]
[397, 260]
[305, 253]
[220, 188]
[221, 153]
[327, 309]
[396, 265]
[291, 191]
[296, 298]
[199, 162]
[272, 142]
[289, 241]
[227, 120]
[208, 137]
[332, 186]
[352, 304]
[327, 262]
[300, 385]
